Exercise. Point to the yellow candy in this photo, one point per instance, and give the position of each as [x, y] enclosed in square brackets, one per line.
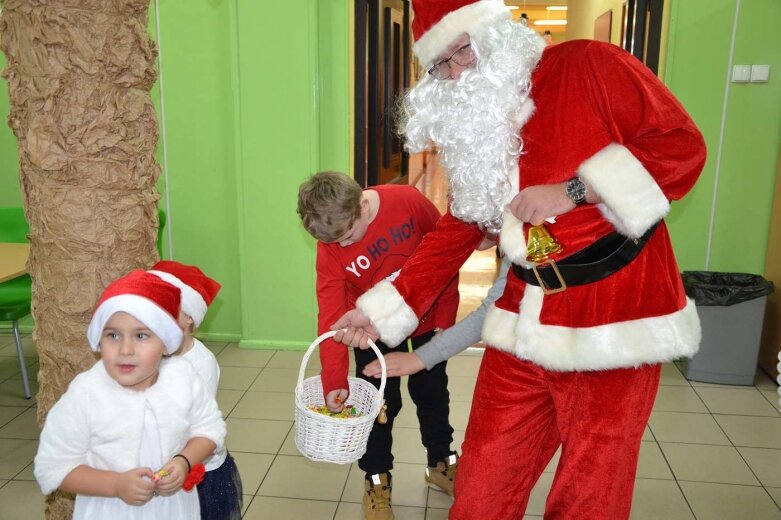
[348, 412]
[160, 474]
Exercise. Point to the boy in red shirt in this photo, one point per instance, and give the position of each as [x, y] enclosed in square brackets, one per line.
[365, 236]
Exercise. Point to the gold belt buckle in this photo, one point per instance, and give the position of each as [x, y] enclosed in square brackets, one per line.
[545, 289]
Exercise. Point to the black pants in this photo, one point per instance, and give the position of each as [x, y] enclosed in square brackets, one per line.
[428, 389]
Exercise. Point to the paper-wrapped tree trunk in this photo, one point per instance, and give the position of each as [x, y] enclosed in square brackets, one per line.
[79, 74]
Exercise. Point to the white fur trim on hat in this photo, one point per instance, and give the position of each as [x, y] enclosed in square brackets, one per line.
[193, 303]
[464, 20]
[388, 312]
[631, 199]
[144, 310]
[625, 344]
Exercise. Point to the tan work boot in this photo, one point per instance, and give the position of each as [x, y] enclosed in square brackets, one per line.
[444, 474]
[377, 497]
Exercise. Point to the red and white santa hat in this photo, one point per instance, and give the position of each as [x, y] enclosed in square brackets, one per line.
[437, 23]
[148, 299]
[198, 290]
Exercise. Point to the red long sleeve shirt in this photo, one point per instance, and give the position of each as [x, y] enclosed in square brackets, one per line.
[344, 273]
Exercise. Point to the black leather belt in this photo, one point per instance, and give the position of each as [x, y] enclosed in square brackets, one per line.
[592, 263]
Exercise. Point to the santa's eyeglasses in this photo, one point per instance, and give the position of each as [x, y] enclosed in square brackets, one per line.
[463, 56]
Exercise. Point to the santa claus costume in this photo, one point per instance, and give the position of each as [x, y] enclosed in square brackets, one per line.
[577, 368]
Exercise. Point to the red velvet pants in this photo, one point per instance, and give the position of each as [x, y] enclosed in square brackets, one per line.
[521, 413]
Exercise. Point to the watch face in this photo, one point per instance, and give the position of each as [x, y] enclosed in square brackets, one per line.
[576, 190]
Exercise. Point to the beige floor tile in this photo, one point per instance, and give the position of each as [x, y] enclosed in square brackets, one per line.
[753, 432]
[12, 392]
[252, 468]
[247, 500]
[705, 463]
[672, 376]
[265, 405]
[26, 473]
[237, 378]
[256, 436]
[466, 364]
[648, 434]
[28, 348]
[736, 401]
[227, 400]
[539, 494]
[766, 464]
[436, 513]
[461, 388]
[678, 399]
[292, 359]
[695, 428]
[772, 396]
[729, 502]
[438, 499]
[775, 493]
[407, 446]
[289, 446]
[233, 356]
[9, 368]
[15, 455]
[651, 463]
[351, 511]
[215, 346]
[764, 381]
[659, 499]
[24, 426]
[279, 379]
[554, 462]
[20, 499]
[272, 508]
[297, 477]
[409, 487]
[8, 413]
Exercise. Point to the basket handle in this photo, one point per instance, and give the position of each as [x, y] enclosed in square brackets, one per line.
[331, 334]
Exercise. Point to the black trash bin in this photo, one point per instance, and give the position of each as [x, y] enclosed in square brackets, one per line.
[731, 307]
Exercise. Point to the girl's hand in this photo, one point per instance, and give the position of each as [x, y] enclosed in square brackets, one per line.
[335, 399]
[135, 487]
[171, 483]
[397, 363]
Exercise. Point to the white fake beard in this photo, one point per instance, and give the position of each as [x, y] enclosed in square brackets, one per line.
[475, 121]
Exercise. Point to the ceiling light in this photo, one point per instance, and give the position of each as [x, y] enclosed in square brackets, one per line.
[556, 8]
[550, 22]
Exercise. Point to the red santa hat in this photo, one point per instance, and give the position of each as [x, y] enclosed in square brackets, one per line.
[437, 23]
[148, 299]
[198, 290]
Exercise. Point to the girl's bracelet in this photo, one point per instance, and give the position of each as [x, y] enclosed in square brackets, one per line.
[189, 467]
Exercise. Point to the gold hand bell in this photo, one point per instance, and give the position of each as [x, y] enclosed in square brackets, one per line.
[540, 244]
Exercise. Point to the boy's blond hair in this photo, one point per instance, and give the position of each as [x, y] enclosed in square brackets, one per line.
[328, 204]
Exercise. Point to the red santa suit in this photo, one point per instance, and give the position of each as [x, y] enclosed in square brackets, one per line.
[578, 368]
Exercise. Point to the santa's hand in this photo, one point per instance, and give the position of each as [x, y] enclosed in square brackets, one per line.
[537, 203]
[335, 399]
[356, 330]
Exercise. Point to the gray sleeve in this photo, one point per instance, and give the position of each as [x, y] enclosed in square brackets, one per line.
[466, 332]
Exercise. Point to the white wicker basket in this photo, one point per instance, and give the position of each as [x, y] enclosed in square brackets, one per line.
[330, 439]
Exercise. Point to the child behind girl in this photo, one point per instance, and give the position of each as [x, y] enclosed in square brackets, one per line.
[220, 492]
[128, 431]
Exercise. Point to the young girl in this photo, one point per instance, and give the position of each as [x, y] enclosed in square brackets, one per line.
[128, 431]
[220, 492]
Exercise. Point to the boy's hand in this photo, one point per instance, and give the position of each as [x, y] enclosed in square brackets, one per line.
[135, 487]
[358, 330]
[335, 399]
[397, 363]
[171, 483]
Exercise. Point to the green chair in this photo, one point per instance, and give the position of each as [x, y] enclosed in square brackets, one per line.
[15, 294]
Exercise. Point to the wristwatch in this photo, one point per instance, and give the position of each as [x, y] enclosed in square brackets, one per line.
[576, 190]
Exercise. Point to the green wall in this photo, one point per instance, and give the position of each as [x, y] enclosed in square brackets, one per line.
[736, 187]
[9, 157]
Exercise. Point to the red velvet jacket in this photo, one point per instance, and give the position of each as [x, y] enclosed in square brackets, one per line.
[602, 115]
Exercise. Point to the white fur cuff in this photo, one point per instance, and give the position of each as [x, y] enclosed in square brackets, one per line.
[631, 199]
[388, 312]
[454, 24]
